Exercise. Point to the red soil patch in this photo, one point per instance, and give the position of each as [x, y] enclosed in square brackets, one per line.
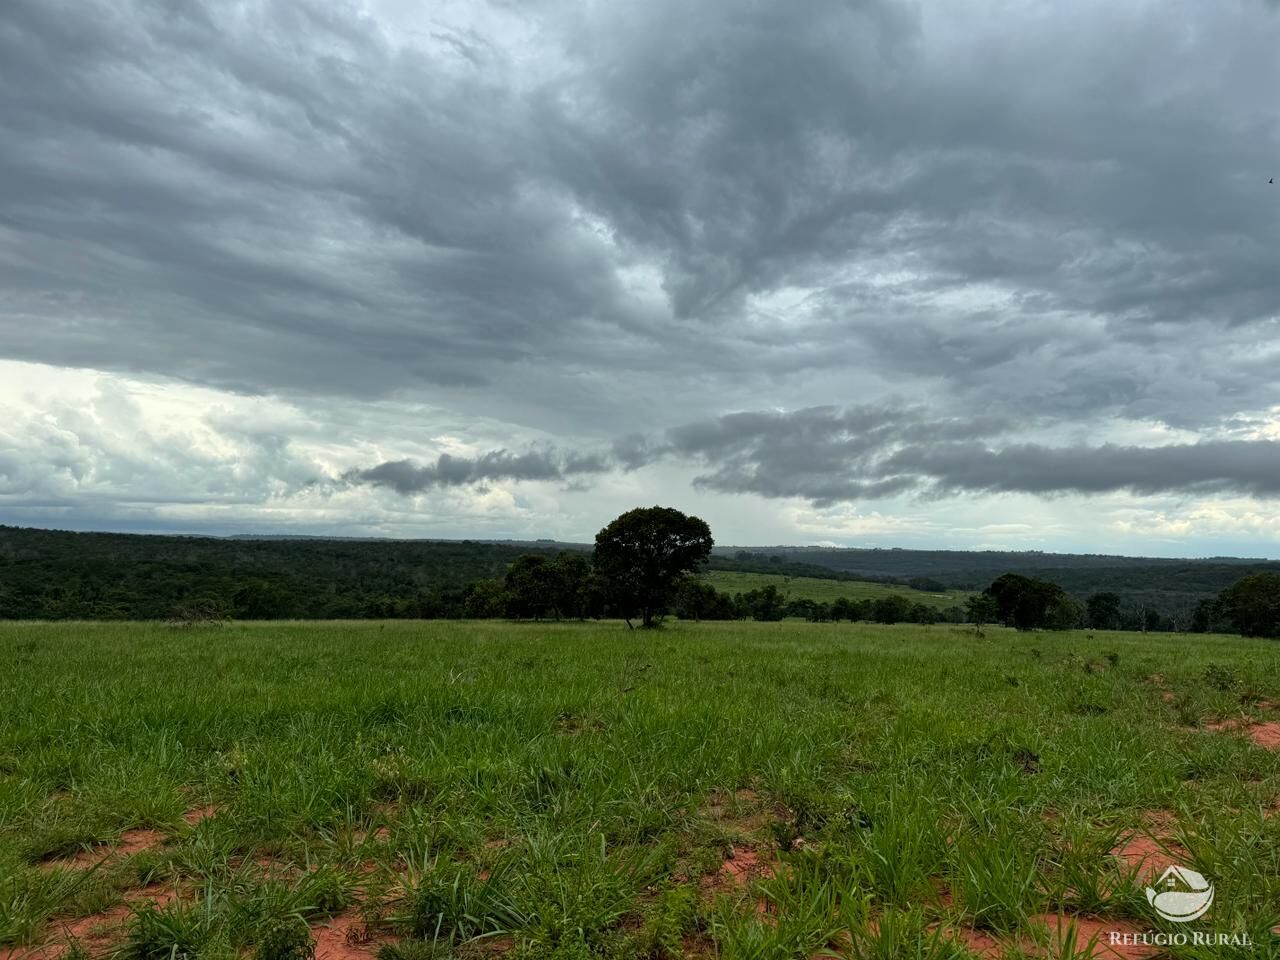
[345, 937]
[192, 817]
[743, 865]
[978, 943]
[96, 933]
[1265, 735]
[1148, 851]
[130, 842]
[737, 871]
[136, 841]
[1098, 932]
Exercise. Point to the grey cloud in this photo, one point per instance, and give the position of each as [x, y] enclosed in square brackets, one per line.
[407, 477]
[588, 222]
[826, 455]
[308, 197]
[1241, 466]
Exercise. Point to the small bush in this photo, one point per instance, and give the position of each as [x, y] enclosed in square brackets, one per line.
[1221, 677]
[288, 939]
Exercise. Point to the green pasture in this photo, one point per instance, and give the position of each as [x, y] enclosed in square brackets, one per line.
[825, 591]
[578, 790]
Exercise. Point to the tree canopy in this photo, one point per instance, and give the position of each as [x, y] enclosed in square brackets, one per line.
[1029, 603]
[1252, 604]
[642, 555]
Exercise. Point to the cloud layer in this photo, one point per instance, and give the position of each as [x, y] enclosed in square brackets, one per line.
[827, 455]
[951, 249]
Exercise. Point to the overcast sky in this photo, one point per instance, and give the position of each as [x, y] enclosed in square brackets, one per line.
[933, 273]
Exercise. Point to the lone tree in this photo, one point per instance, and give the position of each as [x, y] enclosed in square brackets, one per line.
[643, 554]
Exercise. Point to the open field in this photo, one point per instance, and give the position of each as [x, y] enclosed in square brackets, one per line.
[739, 790]
[825, 591]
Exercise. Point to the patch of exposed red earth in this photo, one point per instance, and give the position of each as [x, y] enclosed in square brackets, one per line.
[198, 814]
[978, 942]
[741, 866]
[738, 870]
[97, 933]
[1147, 852]
[1265, 734]
[130, 842]
[345, 937]
[1094, 937]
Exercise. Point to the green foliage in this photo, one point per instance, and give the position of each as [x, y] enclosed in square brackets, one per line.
[1029, 603]
[1165, 587]
[673, 915]
[173, 932]
[642, 555]
[1253, 605]
[532, 587]
[696, 599]
[763, 604]
[485, 599]
[447, 902]
[824, 589]
[286, 939]
[55, 575]
[981, 609]
[1102, 611]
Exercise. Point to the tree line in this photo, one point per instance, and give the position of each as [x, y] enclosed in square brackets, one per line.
[1250, 606]
[643, 567]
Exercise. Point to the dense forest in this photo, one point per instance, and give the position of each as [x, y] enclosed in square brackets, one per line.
[50, 574]
[57, 575]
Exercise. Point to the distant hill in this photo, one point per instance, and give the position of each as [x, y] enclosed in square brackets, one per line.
[1166, 585]
[825, 590]
[52, 574]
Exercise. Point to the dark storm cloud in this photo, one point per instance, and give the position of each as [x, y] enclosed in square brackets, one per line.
[828, 455]
[408, 477]
[1250, 467]
[562, 214]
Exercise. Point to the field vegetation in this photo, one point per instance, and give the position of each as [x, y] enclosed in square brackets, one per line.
[824, 590]
[413, 790]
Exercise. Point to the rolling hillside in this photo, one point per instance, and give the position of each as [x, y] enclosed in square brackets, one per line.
[823, 590]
